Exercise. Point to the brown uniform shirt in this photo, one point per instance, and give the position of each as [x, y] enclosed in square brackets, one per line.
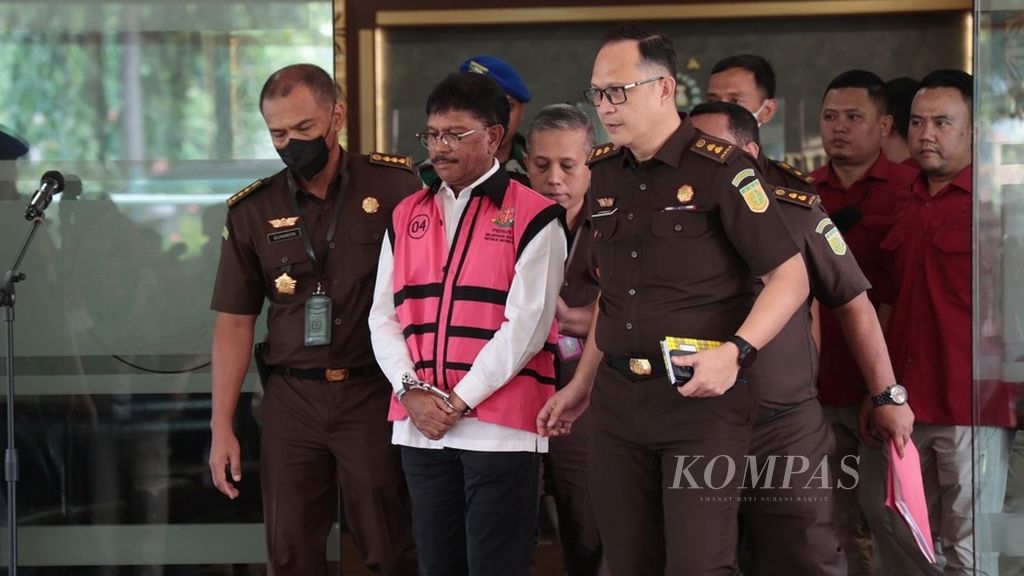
[678, 240]
[261, 243]
[787, 367]
[579, 286]
[782, 174]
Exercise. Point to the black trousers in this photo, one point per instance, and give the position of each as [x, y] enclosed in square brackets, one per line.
[473, 513]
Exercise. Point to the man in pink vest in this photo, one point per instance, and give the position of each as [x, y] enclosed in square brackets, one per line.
[463, 326]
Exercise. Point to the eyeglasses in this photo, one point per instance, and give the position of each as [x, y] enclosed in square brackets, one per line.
[449, 140]
[614, 94]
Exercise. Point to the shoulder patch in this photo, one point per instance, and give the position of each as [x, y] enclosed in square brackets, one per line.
[788, 169]
[606, 150]
[797, 197]
[713, 148]
[391, 160]
[241, 194]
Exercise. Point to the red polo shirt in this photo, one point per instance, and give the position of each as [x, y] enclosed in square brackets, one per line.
[929, 333]
[839, 381]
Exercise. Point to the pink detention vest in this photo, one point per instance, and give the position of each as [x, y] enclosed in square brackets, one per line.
[451, 302]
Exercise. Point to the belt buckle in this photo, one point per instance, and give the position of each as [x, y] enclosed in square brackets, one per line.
[640, 366]
[336, 374]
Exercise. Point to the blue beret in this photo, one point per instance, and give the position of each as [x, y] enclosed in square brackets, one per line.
[11, 147]
[502, 72]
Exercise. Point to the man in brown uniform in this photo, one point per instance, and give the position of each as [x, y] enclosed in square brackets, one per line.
[559, 141]
[792, 530]
[308, 239]
[682, 225]
[749, 81]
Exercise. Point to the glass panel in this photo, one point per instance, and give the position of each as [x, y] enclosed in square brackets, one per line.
[999, 284]
[154, 106]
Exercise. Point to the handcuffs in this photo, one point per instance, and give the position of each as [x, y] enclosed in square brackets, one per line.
[410, 382]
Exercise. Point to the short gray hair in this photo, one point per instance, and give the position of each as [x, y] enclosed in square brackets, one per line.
[562, 117]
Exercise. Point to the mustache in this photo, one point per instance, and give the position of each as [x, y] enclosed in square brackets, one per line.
[441, 158]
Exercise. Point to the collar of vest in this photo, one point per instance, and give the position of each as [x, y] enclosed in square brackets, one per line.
[494, 187]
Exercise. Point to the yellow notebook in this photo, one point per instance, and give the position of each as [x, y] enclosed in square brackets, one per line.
[676, 346]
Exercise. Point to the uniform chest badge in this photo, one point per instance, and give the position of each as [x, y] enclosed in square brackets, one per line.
[285, 284]
[370, 205]
[505, 218]
[834, 237]
[606, 202]
[752, 191]
[283, 222]
[684, 194]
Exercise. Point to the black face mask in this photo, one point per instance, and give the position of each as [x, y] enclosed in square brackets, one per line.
[307, 158]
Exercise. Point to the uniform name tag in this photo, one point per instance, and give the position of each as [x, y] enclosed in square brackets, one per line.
[569, 348]
[289, 234]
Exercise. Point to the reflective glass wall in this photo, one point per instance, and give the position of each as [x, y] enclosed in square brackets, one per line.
[152, 104]
[999, 268]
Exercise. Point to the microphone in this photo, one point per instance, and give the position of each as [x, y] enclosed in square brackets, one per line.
[51, 183]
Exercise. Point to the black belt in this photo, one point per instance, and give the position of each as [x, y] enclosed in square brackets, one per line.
[330, 374]
[636, 368]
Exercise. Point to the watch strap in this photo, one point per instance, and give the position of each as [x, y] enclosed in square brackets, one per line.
[745, 348]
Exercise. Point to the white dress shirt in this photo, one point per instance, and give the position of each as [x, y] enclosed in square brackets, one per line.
[529, 311]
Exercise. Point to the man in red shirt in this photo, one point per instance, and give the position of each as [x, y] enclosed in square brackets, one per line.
[929, 338]
[858, 189]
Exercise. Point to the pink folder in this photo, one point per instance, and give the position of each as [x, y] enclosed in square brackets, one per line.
[905, 495]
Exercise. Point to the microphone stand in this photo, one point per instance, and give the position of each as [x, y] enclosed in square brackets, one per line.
[10, 278]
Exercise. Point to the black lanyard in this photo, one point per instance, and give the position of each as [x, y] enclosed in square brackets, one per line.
[318, 264]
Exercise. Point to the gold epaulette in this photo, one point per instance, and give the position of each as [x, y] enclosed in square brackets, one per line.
[788, 169]
[713, 148]
[791, 196]
[391, 160]
[606, 150]
[241, 194]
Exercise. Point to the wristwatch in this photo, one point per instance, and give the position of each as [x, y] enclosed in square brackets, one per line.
[894, 395]
[747, 351]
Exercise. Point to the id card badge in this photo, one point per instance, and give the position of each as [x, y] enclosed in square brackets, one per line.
[569, 348]
[318, 320]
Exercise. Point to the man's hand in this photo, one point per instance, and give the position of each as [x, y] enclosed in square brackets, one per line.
[429, 413]
[714, 371]
[879, 423]
[225, 459]
[562, 409]
[896, 422]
